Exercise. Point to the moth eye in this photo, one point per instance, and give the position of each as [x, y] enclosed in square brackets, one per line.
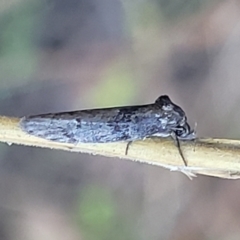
[180, 132]
[183, 131]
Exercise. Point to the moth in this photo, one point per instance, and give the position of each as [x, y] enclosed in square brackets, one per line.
[162, 119]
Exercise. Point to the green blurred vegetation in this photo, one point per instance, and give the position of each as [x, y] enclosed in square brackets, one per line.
[98, 216]
[175, 9]
[19, 25]
[117, 87]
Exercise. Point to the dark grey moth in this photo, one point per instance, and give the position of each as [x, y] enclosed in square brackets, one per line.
[161, 119]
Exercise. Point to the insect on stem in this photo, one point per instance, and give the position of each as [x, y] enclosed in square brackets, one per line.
[161, 119]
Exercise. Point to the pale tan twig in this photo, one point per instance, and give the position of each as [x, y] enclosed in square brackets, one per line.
[212, 157]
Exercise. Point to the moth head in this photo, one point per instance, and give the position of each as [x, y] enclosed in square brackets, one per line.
[185, 132]
[165, 103]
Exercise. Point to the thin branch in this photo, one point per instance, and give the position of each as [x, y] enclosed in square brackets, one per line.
[212, 157]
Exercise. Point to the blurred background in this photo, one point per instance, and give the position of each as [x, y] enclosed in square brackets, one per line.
[62, 55]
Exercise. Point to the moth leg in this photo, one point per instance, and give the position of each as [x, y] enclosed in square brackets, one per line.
[177, 143]
[127, 147]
